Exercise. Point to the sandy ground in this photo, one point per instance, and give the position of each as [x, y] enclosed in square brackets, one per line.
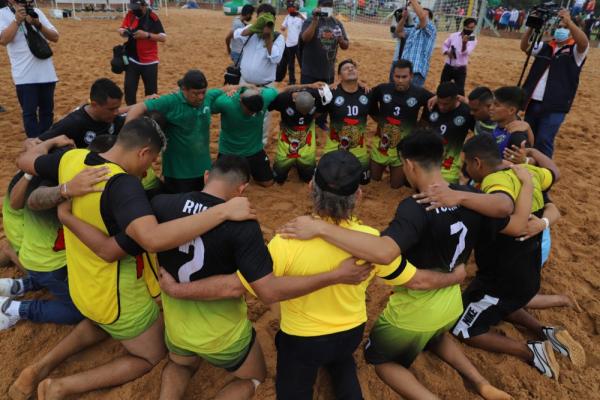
[196, 41]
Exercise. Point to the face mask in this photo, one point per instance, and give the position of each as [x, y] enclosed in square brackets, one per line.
[138, 13]
[561, 34]
[467, 32]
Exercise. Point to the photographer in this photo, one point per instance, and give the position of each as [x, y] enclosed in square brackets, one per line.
[321, 36]
[401, 19]
[420, 40]
[457, 49]
[144, 30]
[553, 80]
[34, 78]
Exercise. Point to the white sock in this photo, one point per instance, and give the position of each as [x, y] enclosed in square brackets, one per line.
[21, 286]
[13, 309]
[256, 382]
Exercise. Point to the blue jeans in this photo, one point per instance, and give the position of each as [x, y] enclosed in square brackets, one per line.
[37, 103]
[59, 311]
[418, 80]
[545, 126]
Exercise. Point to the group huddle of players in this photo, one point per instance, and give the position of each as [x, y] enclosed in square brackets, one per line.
[480, 187]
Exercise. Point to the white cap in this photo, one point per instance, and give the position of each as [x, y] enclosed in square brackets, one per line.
[326, 95]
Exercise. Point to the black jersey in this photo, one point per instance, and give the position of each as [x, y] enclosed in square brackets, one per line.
[79, 126]
[397, 112]
[348, 114]
[453, 126]
[225, 249]
[290, 117]
[439, 239]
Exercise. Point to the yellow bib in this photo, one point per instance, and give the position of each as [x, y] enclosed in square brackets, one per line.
[93, 282]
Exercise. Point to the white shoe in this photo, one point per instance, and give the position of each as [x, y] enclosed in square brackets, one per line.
[6, 321]
[6, 287]
[563, 343]
[543, 358]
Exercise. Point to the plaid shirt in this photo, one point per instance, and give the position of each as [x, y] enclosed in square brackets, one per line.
[419, 46]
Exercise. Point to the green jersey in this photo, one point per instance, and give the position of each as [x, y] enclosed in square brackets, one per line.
[241, 134]
[12, 221]
[43, 246]
[188, 134]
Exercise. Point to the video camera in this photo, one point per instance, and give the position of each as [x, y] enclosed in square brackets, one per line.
[325, 12]
[540, 15]
[28, 5]
[398, 12]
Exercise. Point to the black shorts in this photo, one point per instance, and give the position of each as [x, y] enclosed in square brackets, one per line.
[484, 308]
[260, 167]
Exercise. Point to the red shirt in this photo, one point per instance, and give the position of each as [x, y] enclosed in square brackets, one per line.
[143, 51]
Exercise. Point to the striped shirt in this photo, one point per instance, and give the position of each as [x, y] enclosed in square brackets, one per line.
[419, 46]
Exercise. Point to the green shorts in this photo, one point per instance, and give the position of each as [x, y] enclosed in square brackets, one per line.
[230, 359]
[389, 343]
[138, 309]
[360, 151]
[386, 157]
[299, 152]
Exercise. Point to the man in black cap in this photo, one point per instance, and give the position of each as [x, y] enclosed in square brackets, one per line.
[321, 36]
[143, 31]
[325, 327]
[242, 119]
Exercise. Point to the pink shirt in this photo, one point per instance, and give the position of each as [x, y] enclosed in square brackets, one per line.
[462, 58]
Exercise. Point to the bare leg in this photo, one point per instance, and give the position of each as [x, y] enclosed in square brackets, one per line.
[176, 376]
[448, 350]
[403, 382]
[145, 351]
[376, 171]
[543, 301]
[501, 344]
[85, 334]
[397, 177]
[523, 318]
[253, 368]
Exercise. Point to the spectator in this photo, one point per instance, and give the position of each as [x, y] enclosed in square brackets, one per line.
[577, 8]
[590, 6]
[514, 17]
[34, 78]
[419, 42]
[521, 19]
[504, 20]
[262, 53]
[552, 81]
[293, 25]
[234, 46]
[144, 30]
[497, 16]
[321, 37]
[404, 19]
[457, 49]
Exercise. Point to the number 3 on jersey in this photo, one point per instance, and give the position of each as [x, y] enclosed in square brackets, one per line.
[195, 264]
[461, 229]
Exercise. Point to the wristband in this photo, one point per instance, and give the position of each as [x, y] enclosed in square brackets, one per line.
[546, 222]
[527, 160]
[27, 176]
[63, 191]
[148, 35]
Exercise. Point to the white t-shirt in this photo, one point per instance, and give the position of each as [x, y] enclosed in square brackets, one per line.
[540, 89]
[579, 3]
[25, 67]
[294, 27]
[257, 65]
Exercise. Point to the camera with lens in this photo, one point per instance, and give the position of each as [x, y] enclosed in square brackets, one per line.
[324, 13]
[28, 6]
[540, 15]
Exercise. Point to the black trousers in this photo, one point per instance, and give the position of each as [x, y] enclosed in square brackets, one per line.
[149, 75]
[299, 359]
[288, 64]
[456, 74]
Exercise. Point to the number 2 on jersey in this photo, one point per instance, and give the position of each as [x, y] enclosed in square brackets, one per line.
[458, 227]
[195, 264]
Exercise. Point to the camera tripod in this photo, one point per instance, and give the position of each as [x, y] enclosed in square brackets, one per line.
[536, 38]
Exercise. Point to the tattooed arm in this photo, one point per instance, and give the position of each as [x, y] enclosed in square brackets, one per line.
[44, 197]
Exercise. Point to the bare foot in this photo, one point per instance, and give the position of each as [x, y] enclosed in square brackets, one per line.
[42, 389]
[25, 384]
[489, 392]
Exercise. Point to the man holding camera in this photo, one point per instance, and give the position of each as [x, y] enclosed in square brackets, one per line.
[420, 40]
[322, 34]
[144, 30]
[553, 79]
[234, 47]
[457, 49]
[34, 78]
[292, 24]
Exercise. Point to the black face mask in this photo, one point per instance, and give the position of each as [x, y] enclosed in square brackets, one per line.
[138, 13]
[467, 32]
